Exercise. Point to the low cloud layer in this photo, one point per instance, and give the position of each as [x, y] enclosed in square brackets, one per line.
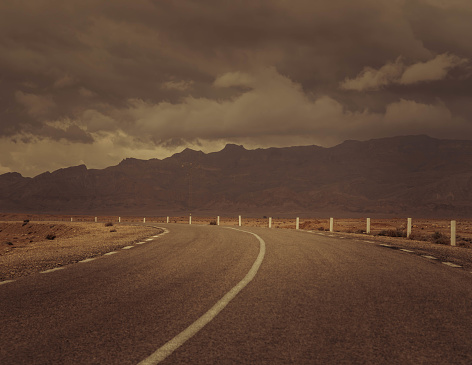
[101, 81]
[397, 72]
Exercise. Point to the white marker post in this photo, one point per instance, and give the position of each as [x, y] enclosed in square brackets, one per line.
[218, 220]
[240, 221]
[144, 220]
[95, 219]
[71, 219]
[270, 222]
[119, 219]
[190, 219]
[167, 220]
[297, 224]
[331, 224]
[408, 228]
[453, 233]
[367, 230]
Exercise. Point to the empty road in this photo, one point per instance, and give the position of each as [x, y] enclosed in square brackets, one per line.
[281, 296]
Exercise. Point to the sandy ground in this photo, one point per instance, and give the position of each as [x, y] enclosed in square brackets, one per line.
[30, 247]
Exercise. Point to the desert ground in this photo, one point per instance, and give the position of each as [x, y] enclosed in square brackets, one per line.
[27, 247]
[31, 243]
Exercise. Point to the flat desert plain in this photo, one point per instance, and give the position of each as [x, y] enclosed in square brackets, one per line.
[26, 244]
[30, 247]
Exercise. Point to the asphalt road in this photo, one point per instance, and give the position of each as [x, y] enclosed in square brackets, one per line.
[315, 299]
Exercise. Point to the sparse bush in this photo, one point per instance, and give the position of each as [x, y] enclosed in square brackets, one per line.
[109, 224]
[50, 237]
[9, 243]
[418, 237]
[212, 223]
[360, 231]
[392, 233]
[439, 238]
[26, 221]
[320, 228]
[113, 230]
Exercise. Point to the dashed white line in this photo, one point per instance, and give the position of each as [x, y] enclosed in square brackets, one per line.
[51, 270]
[6, 282]
[383, 244]
[430, 257]
[405, 250]
[110, 253]
[150, 239]
[88, 260]
[140, 243]
[371, 242]
[451, 264]
[127, 247]
[196, 326]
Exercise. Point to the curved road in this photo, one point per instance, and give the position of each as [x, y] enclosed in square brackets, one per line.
[315, 299]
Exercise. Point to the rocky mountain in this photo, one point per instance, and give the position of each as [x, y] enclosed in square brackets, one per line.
[414, 176]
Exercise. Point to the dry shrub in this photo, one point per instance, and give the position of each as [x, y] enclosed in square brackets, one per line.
[392, 233]
[440, 238]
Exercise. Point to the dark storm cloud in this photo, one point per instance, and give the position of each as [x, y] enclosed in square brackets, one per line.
[126, 76]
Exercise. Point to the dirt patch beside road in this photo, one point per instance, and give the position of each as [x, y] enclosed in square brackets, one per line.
[27, 248]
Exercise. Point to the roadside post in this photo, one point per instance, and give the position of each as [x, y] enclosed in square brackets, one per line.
[270, 222]
[408, 229]
[367, 230]
[331, 224]
[453, 233]
[297, 224]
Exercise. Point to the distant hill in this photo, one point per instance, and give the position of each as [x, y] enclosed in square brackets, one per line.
[400, 176]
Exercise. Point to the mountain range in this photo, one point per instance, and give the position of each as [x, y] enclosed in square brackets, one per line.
[414, 176]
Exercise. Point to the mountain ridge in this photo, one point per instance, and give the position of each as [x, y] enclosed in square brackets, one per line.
[396, 176]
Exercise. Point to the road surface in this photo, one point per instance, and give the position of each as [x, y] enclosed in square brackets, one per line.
[314, 299]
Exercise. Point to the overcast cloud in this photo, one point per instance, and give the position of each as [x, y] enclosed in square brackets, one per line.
[96, 81]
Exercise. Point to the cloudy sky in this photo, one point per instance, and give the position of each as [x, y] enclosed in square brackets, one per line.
[96, 81]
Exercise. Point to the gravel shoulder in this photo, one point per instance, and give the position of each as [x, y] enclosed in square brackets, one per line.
[25, 250]
[458, 255]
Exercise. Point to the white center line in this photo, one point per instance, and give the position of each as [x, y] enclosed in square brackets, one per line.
[167, 349]
[150, 239]
[430, 257]
[384, 245]
[51, 270]
[405, 250]
[127, 247]
[110, 253]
